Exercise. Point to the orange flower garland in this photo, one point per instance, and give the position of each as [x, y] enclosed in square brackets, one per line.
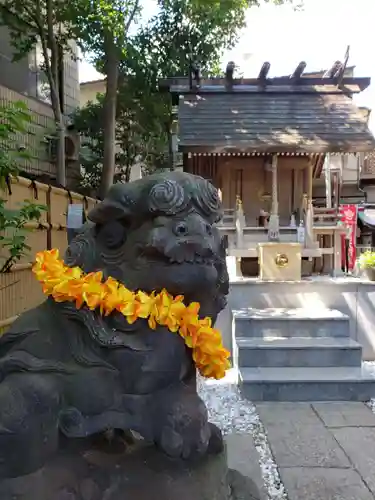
[71, 284]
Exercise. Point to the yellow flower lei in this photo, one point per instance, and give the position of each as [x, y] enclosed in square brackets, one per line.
[71, 284]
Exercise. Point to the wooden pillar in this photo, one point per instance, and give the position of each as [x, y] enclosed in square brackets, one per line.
[275, 201]
[336, 190]
[273, 226]
[337, 271]
[309, 217]
[327, 169]
[310, 174]
[240, 223]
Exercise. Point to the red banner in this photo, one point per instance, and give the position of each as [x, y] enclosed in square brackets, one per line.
[348, 215]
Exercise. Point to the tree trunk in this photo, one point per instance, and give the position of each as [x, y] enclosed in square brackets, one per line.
[170, 147]
[127, 173]
[60, 156]
[109, 105]
[48, 39]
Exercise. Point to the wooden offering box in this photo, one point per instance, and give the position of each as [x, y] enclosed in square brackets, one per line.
[279, 261]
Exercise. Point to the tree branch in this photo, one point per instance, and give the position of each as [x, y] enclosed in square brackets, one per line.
[55, 97]
[131, 16]
[44, 38]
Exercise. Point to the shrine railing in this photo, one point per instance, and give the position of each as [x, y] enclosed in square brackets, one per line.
[323, 216]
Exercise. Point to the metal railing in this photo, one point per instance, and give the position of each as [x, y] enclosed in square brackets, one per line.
[323, 216]
[364, 248]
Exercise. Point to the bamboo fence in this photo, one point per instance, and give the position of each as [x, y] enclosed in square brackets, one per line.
[19, 290]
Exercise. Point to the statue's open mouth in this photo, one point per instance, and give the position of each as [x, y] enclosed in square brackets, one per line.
[178, 254]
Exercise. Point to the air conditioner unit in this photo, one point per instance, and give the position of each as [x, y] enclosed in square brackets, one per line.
[72, 146]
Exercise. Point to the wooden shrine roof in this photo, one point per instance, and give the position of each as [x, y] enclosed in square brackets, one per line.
[274, 122]
[311, 113]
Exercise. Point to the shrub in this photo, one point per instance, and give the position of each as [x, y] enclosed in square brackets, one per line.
[14, 120]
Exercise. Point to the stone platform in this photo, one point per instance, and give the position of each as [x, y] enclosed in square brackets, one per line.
[353, 297]
[138, 473]
[299, 354]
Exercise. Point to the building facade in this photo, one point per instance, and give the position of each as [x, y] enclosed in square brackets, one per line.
[25, 81]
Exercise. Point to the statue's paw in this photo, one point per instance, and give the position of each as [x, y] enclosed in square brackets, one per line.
[189, 443]
[216, 442]
[185, 443]
[182, 429]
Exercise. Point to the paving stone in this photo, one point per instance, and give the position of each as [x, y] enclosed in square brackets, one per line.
[349, 414]
[298, 437]
[324, 484]
[359, 444]
[243, 457]
[306, 446]
[278, 413]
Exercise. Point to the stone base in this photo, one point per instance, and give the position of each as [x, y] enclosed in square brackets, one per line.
[138, 473]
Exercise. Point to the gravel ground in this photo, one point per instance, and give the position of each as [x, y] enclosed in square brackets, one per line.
[371, 366]
[231, 413]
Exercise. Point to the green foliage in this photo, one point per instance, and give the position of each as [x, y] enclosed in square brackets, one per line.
[14, 119]
[99, 23]
[367, 260]
[181, 32]
[31, 21]
[190, 30]
[138, 137]
[185, 31]
[13, 233]
[143, 115]
[88, 121]
[101, 28]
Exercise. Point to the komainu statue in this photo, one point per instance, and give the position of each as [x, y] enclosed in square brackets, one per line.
[70, 372]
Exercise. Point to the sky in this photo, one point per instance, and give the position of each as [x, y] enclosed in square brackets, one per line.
[318, 34]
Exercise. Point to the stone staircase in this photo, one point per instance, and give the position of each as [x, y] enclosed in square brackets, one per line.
[299, 355]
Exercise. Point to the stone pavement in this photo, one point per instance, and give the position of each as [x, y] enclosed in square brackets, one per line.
[243, 457]
[324, 451]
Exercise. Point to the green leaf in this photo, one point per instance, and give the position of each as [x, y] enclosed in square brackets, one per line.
[14, 118]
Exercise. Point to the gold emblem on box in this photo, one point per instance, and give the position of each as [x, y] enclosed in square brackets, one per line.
[281, 260]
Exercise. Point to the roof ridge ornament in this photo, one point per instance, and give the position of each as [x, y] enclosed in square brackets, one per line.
[297, 73]
[263, 73]
[195, 75]
[229, 73]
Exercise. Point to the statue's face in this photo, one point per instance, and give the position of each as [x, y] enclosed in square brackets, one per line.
[173, 252]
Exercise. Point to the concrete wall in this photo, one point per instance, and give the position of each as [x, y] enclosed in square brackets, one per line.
[351, 297]
[89, 91]
[39, 163]
[27, 78]
[370, 192]
[350, 169]
[349, 192]
[71, 80]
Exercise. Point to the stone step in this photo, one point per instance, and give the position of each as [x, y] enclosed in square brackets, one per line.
[282, 322]
[294, 351]
[307, 384]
